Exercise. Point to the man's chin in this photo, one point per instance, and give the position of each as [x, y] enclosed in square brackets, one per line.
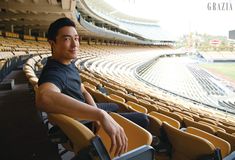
[73, 55]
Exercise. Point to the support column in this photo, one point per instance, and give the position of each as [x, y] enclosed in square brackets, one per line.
[42, 34]
[27, 31]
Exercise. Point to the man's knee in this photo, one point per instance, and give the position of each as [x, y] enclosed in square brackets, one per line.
[138, 118]
[109, 107]
[144, 120]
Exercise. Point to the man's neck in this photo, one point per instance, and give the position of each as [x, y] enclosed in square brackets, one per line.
[63, 61]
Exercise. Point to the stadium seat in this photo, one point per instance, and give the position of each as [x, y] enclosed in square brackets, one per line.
[186, 146]
[204, 127]
[33, 81]
[216, 128]
[207, 120]
[183, 115]
[136, 107]
[88, 146]
[116, 97]
[86, 84]
[172, 115]
[123, 107]
[149, 107]
[228, 137]
[230, 130]
[166, 119]
[155, 125]
[137, 136]
[223, 145]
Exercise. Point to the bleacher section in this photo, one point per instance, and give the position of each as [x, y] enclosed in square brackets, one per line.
[219, 56]
[98, 67]
[113, 69]
[14, 51]
[118, 63]
[183, 76]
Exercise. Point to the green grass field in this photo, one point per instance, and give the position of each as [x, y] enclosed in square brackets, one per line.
[226, 69]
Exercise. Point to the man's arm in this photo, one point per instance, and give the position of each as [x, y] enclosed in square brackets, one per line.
[87, 96]
[50, 100]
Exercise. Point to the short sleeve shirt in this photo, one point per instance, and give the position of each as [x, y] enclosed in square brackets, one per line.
[65, 77]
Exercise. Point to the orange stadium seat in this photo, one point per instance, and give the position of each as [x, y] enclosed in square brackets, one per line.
[84, 142]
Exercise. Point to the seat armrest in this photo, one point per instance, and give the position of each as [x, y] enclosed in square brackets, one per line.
[144, 152]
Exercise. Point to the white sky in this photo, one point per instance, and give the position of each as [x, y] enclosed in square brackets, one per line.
[179, 17]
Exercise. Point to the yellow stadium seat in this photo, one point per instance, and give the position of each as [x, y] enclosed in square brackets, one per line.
[223, 145]
[166, 119]
[136, 107]
[216, 128]
[116, 97]
[137, 136]
[172, 115]
[86, 145]
[186, 146]
[204, 127]
[149, 107]
[228, 137]
[228, 129]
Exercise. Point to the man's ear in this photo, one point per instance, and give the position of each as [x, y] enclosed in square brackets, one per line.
[52, 43]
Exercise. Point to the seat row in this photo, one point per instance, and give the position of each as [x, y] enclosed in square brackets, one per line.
[134, 103]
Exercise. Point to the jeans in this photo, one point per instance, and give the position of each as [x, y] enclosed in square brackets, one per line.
[136, 117]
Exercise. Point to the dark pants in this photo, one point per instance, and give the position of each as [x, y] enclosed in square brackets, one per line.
[136, 117]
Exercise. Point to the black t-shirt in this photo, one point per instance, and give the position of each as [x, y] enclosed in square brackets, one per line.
[65, 77]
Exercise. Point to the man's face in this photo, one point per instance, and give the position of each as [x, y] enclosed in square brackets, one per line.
[66, 46]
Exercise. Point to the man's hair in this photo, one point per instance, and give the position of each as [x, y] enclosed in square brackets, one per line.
[56, 25]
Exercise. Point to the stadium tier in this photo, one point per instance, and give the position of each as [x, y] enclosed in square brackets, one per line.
[219, 56]
[124, 60]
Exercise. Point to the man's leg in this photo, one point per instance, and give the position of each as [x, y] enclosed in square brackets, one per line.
[138, 118]
[109, 107]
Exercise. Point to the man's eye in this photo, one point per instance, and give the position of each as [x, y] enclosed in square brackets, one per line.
[76, 39]
[67, 39]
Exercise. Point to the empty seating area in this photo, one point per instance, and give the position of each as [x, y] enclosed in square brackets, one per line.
[14, 51]
[222, 55]
[183, 76]
[108, 73]
[127, 60]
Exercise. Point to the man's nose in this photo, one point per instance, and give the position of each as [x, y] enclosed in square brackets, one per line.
[75, 43]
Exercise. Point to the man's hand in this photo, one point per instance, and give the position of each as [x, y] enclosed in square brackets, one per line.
[97, 126]
[119, 141]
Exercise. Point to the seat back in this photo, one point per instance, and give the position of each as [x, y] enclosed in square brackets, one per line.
[154, 125]
[136, 107]
[228, 129]
[137, 136]
[77, 133]
[167, 119]
[149, 107]
[116, 97]
[228, 137]
[186, 145]
[201, 126]
[223, 145]
[216, 128]
[172, 115]
[123, 107]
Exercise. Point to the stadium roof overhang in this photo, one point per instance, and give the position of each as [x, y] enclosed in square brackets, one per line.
[100, 11]
[36, 15]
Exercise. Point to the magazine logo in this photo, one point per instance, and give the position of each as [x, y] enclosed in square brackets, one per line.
[219, 6]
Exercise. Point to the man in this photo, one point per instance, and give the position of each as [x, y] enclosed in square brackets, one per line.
[60, 90]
